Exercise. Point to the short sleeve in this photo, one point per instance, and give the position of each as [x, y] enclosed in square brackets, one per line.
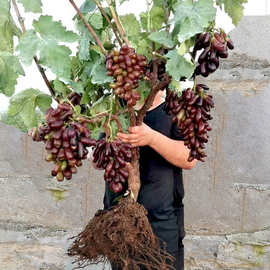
[176, 133]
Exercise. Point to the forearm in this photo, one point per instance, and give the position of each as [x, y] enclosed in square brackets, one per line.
[172, 150]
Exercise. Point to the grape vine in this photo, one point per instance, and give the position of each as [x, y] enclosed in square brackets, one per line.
[109, 82]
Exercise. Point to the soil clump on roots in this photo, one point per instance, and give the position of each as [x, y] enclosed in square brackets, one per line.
[122, 236]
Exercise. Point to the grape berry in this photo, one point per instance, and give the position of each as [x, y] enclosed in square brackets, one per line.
[214, 46]
[112, 157]
[66, 141]
[127, 68]
[191, 113]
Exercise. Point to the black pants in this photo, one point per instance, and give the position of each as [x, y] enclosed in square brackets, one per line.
[172, 232]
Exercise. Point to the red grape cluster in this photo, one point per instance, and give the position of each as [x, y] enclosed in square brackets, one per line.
[127, 68]
[215, 46]
[113, 156]
[191, 112]
[66, 141]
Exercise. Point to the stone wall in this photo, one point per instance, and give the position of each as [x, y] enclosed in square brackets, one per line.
[227, 201]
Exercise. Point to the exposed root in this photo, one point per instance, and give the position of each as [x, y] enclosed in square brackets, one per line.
[122, 236]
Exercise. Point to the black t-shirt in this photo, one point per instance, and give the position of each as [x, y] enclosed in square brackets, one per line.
[162, 190]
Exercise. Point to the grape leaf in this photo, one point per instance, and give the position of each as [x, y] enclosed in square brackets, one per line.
[87, 6]
[28, 47]
[84, 41]
[56, 57]
[157, 15]
[143, 20]
[234, 8]
[177, 66]
[101, 105]
[144, 90]
[4, 7]
[8, 28]
[77, 86]
[191, 18]
[15, 121]
[158, 3]
[32, 5]
[96, 20]
[131, 25]
[163, 38]
[99, 73]
[122, 1]
[60, 88]
[84, 47]
[10, 69]
[51, 30]
[25, 104]
[43, 102]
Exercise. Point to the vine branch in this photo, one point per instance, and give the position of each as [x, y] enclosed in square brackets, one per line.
[99, 117]
[118, 23]
[40, 68]
[89, 27]
[109, 21]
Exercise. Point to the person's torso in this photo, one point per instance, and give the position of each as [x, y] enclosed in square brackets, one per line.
[161, 189]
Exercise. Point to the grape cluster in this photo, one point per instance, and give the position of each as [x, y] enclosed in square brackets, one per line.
[66, 141]
[113, 156]
[127, 68]
[191, 113]
[215, 46]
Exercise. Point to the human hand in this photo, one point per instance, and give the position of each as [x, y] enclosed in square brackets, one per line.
[138, 136]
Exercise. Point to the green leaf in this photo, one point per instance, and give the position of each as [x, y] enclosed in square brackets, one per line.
[15, 121]
[32, 5]
[131, 25]
[101, 105]
[157, 15]
[4, 7]
[44, 102]
[10, 69]
[51, 30]
[84, 47]
[25, 103]
[122, 1]
[60, 88]
[99, 73]
[164, 38]
[84, 41]
[8, 28]
[77, 109]
[191, 18]
[28, 47]
[96, 20]
[185, 46]
[77, 86]
[57, 58]
[234, 8]
[158, 3]
[144, 90]
[144, 46]
[177, 66]
[143, 19]
[87, 6]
